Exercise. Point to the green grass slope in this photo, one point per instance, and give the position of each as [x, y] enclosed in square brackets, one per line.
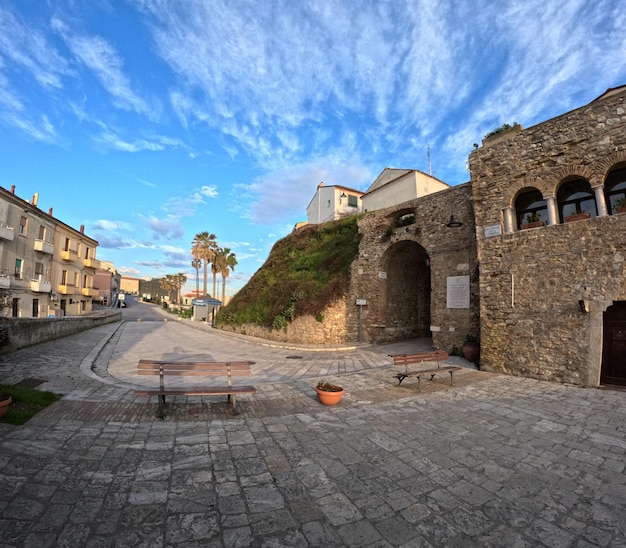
[304, 273]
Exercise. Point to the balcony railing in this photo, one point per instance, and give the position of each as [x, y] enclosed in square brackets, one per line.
[40, 286]
[44, 247]
[65, 289]
[89, 292]
[91, 263]
[6, 232]
[5, 282]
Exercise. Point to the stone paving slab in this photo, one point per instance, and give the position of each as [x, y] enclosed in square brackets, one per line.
[490, 461]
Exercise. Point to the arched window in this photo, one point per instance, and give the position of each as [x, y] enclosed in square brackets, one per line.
[575, 196]
[530, 207]
[615, 189]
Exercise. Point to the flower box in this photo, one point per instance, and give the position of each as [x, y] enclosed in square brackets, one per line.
[577, 217]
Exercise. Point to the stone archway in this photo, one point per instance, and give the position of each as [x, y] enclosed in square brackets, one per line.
[408, 289]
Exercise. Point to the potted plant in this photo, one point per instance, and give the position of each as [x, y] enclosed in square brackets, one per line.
[471, 348]
[579, 215]
[328, 393]
[532, 220]
[620, 205]
[5, 401]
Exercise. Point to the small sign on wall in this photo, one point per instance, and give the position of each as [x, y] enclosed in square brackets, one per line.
[493, 230]
[458, 294]
[382, 275]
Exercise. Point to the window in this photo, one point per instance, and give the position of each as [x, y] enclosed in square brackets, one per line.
[64, 277]
[67, 244]
[615, 189]
[23, 226]
[35, 308]
[42, 232]
[75, 279]
[575, 196]
[38, 271]
[18, 269]
[530, 204]
[352, 201]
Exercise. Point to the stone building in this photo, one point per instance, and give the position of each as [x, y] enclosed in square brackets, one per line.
[551, 246]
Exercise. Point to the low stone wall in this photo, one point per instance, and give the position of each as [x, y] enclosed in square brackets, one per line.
[303, 330]
[16, 333]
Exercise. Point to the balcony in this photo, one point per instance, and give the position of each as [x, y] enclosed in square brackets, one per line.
[65, 289]
[69, 255]
[89, 292]
[6, 232]
[91, 263]
[5, 282]
[44, 247]
[40, 286]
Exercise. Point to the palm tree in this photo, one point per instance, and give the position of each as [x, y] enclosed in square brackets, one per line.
[179, 281]
[167, 284]
[227, 261]
[204, 247]
[197, 263]
[215, 269]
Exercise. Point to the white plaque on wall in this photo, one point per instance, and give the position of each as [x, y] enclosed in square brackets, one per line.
[493, 230]
[382, 275]
[458, 295]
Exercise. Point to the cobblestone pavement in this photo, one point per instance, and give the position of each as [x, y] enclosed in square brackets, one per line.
[491, 461]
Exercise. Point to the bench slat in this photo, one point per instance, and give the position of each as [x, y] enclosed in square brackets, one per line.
[407, 359]
[203, 372]
[195, 391]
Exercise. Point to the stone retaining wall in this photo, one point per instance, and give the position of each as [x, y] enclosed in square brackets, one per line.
[16, 333]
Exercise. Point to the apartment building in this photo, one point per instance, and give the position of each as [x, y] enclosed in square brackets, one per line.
[46, 267]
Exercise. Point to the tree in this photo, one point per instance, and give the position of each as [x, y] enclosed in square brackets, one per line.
[197, 263]
[204, 247]
[214, 270]
[178, 282]
[167, 283]
[225, 262]
[173, 282]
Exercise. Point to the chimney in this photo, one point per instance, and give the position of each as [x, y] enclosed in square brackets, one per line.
[12, 189]
[35, 198]
[50, 212]
[82, 229]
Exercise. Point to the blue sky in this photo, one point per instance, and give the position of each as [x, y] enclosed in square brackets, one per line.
[148, 121]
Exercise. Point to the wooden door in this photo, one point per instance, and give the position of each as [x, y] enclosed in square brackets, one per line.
[614, 347]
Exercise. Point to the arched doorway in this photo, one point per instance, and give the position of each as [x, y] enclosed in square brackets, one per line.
[407, 291]
[614, 345]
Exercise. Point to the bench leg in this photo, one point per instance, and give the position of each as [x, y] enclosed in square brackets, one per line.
[451, 377]
[161, 413]
[400, 378]
[419, 388]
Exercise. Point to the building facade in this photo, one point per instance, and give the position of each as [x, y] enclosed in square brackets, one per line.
[333, 202]
[46, 266]
[551, 246]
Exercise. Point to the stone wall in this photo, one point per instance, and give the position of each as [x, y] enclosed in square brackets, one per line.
[16, 333]
[531, 281]
[330, 330]
[420, 258]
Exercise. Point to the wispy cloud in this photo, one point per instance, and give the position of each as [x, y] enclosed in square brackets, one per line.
[99, 56]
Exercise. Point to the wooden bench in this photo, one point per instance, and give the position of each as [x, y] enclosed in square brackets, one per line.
[423, 357]
[165, 369]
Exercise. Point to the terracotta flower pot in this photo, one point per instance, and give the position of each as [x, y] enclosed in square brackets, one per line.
[471, 351]
[5, 401]
[329, 398]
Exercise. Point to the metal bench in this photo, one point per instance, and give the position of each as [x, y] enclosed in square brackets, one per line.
[166, 369]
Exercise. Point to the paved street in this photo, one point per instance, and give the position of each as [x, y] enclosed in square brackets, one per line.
[490, 461]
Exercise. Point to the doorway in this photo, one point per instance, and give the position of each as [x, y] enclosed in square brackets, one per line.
[614, 345]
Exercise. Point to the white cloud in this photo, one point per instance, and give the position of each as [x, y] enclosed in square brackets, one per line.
[99, 56]
[105, 224]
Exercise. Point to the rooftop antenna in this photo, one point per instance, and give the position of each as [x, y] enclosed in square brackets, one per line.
[430, 170]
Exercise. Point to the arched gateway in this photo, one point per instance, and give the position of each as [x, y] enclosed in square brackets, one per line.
[406, 299]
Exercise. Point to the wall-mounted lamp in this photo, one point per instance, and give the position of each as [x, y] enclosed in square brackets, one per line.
[584, 306]
[453, 223]
[343, 195]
